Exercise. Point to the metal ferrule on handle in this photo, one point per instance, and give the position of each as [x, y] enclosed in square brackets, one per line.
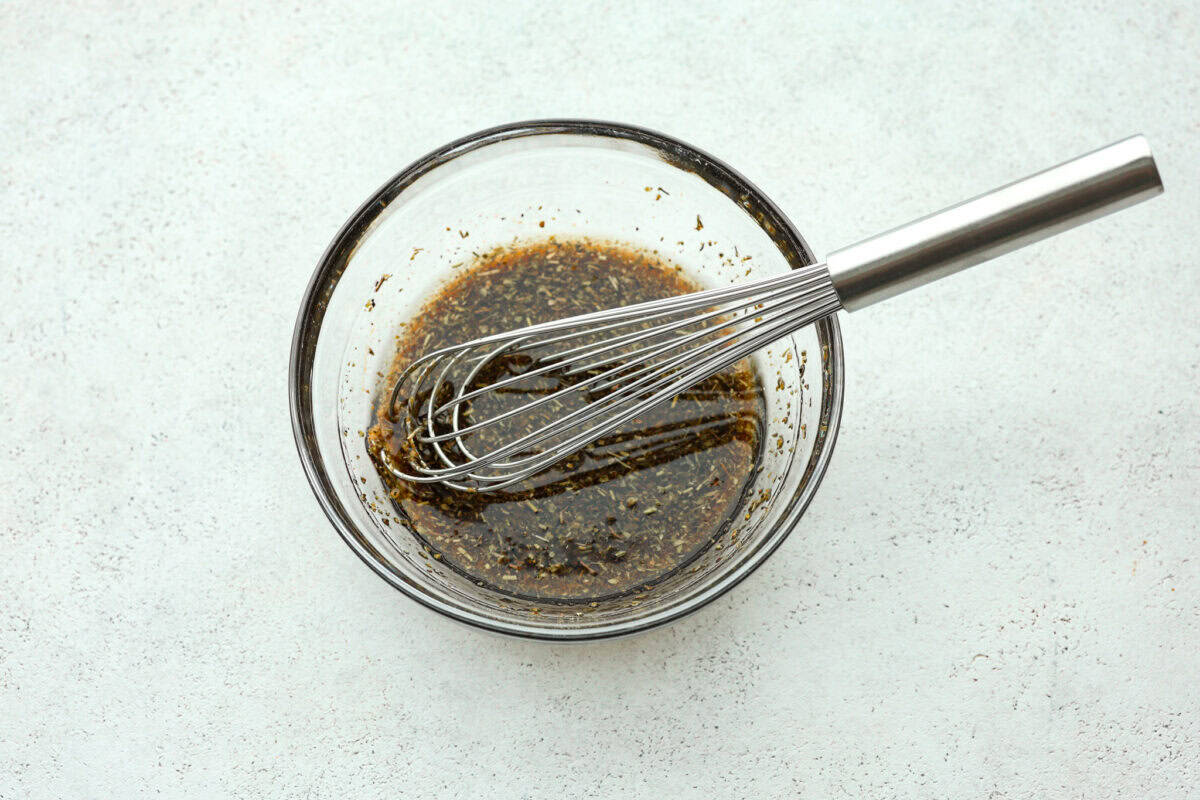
[995, 223]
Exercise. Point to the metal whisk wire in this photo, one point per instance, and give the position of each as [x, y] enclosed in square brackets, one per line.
[629, 371]
[621, 362]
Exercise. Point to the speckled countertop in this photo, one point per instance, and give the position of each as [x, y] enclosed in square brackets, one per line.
[995, 593]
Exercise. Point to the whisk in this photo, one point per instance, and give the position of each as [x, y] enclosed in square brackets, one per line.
[608, 367]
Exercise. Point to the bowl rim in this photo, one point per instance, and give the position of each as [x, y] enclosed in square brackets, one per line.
[339, 252]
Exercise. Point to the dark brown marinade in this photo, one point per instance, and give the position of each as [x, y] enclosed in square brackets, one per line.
[609, 523]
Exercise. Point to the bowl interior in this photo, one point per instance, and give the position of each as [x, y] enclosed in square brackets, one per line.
[555, 181]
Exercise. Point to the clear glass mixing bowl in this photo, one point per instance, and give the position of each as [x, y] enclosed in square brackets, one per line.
[531, 180]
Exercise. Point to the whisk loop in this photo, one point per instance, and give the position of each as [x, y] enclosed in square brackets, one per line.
[612, 365]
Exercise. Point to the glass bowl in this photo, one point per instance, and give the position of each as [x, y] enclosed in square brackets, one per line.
[529, 181]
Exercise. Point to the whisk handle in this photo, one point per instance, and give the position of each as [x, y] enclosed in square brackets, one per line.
[995, 223]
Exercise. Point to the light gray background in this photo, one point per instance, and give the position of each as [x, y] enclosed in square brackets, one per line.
[995, 592]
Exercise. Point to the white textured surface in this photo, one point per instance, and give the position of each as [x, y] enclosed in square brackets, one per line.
[995, 593]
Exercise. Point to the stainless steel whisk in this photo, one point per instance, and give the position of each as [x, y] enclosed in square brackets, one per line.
[615, 364]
